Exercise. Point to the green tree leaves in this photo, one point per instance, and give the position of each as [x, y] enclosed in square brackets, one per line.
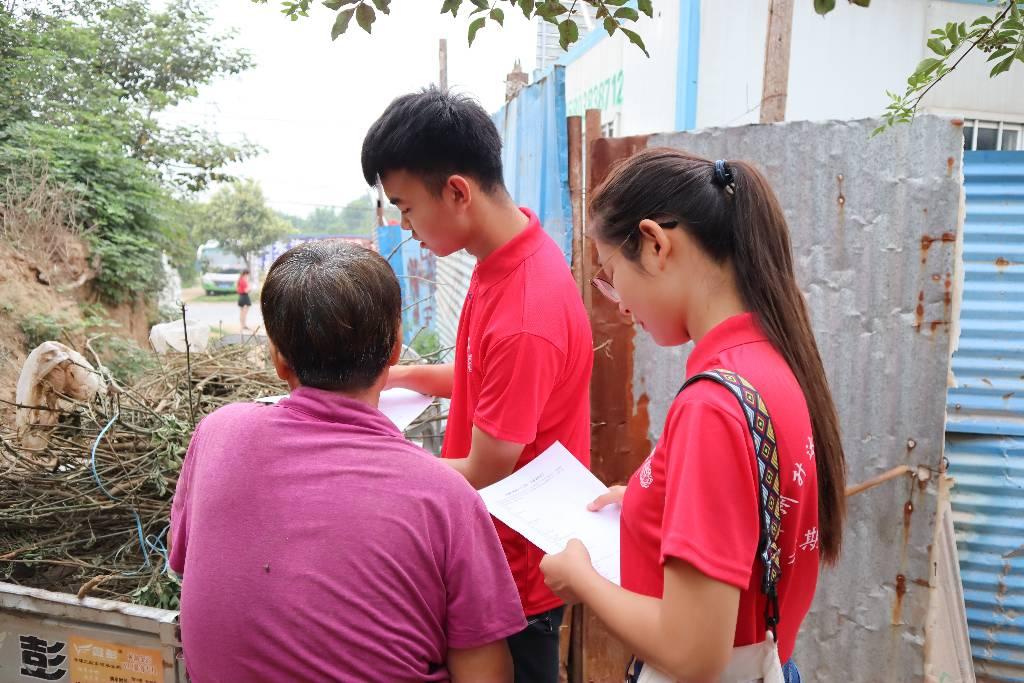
[238, 217]
[617, 14]
[84, 83]
[999, 34]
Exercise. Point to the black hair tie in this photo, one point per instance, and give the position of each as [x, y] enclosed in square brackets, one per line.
[723, 177]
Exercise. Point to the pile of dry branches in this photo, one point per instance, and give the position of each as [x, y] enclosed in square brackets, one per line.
[90, 514]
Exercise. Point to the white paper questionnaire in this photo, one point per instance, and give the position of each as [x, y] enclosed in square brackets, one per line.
[546, 501]
[401, 406]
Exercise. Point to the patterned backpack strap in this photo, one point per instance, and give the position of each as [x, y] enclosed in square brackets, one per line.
[762, 433]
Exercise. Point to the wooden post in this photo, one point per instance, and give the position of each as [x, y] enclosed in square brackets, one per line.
[618, 422]
[575, 126]
[592, 132]
[593, 121]
[565, 647]
[775, 88]
[443, 59]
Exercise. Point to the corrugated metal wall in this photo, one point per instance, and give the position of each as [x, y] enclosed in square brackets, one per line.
[535, 156]
[867, 217]
[985, 430]
[415, 268]
[453, 273]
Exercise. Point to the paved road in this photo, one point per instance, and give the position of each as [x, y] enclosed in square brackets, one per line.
[221, 315]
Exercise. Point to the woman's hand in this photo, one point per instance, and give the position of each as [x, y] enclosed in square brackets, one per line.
[564, 571]
[614, 495]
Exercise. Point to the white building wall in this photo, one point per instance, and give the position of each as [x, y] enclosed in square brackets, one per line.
[731, 67]
[636, 95]
[969, 91]
[549, 50]
[842, 64]
[596, 80]
[650, 86]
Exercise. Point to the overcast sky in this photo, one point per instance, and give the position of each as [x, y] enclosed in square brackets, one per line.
[309, 101]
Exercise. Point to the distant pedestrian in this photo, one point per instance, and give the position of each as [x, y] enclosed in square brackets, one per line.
[244, 302]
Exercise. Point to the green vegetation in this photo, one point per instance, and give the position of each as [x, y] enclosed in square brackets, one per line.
[84, 84]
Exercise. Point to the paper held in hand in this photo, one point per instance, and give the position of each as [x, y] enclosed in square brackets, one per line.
[401, 406]
[546, 501]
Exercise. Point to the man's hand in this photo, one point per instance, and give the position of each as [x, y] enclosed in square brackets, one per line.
[490, 460]
[431, 380]
[397, 377]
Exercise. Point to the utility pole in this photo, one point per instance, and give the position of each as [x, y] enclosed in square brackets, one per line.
[775, 88]
[443, 58]
[380, 203]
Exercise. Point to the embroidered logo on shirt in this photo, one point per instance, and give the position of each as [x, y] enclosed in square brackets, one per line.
[469, 356]
[810, 540]
[785, 503]
[810, 448]
[799, 474]
[646, 474]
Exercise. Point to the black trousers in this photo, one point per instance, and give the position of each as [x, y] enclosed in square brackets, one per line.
[535, 648]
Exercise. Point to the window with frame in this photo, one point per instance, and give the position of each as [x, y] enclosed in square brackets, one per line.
[980, 134]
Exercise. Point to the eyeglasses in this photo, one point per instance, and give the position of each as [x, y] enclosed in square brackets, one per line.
[606, 287]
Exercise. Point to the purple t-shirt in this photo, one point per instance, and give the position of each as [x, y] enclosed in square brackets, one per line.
[316, 543]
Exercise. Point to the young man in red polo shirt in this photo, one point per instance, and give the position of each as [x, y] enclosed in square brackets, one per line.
[521, 376]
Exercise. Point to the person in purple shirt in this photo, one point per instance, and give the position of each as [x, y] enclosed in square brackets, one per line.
[315, 542]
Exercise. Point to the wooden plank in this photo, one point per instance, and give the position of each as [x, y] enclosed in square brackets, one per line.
[775, 87]
[575, 126]
[564, 646]
[605, 657]
[619, 423]
[575, 668]
[592, 133]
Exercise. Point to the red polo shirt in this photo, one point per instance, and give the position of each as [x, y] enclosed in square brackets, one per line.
[695, 499]
[522, 373]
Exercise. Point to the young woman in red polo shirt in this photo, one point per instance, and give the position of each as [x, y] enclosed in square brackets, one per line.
[725, 525]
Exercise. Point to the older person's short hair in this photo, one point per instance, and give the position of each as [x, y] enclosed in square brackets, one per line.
[333, 310]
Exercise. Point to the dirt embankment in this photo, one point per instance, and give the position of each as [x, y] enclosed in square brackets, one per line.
[47, 293]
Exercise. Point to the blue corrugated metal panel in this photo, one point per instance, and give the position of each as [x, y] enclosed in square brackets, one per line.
[986, 414]
[535, 154]
[989, 364]
[388, 239]
[988, 509]
[415, 270]
[418, 289]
